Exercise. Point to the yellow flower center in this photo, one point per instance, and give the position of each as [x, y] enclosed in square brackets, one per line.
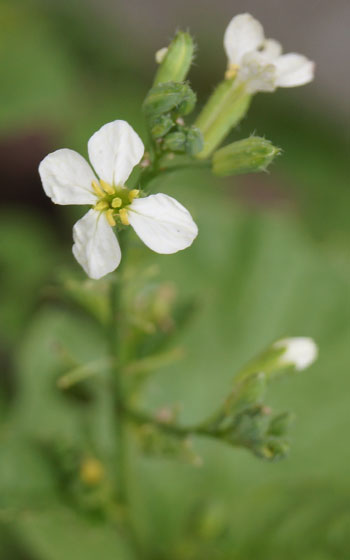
[114, 201]
[231, 71]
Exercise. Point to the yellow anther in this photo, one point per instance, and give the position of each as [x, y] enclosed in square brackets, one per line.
[107, 187]
[135, 193]
[231, 71]
[100, 206]
[117, 202]
[91, 471]
[110, 217]
[123, 213]
[97, 189]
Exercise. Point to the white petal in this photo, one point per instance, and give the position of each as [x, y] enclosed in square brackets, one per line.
[243, 34]
[114, 150]
[271, 49]
[162, 223]
[293, 70]
[96, 248]
[66, 177]
[257, 73]
[300, 352]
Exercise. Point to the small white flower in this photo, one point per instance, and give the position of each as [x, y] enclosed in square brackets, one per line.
[161, 222]
[259, 62]
[299, 352]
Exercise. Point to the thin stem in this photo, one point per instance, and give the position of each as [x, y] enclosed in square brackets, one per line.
[114, 335]
[179, 431]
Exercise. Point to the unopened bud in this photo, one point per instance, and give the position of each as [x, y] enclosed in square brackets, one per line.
[175, 98]
[250, 155]
[175, 60]
[161, 126]
[297, 353]
[175, 141]
[194, 141]
[280, 424]
[161, 54]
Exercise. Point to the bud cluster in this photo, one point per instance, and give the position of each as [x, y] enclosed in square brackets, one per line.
[165, 106]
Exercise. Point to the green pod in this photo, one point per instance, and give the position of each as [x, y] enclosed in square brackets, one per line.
[225, 108]
[250, 155]
[177, 61]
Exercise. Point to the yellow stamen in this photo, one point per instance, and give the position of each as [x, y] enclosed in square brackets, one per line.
[97, 189]
[110, 217]
[231, 71]
[100, 206]
[107, 187]
[135, 193]
[124, 217]
[117, 202]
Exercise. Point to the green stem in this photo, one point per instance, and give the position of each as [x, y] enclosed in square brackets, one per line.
[174, 429]
[114, 335]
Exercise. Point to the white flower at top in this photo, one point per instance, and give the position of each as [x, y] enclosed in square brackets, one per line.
[299, 352]
[161, 222]
[259, 62]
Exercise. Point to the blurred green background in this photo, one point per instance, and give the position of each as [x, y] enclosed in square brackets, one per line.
[271, 260]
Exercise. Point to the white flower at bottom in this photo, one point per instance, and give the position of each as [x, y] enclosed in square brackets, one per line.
[161, 222]
[299, 352]
[259, 62]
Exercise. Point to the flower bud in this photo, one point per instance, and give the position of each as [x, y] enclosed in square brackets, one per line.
[161, 126]
[250, 155]
[175, 141]
[297, 353]
[280, 424]
[194, 141]
[170, 97]
[175, 61]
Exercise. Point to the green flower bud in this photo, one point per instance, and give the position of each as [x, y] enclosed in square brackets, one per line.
[194, 141]
[225, 108]
[175, 141]
[280, 424]
[250, 155]
[175, 62]
[296, 353]
[161, 126]
[272, 450]
[170, 97]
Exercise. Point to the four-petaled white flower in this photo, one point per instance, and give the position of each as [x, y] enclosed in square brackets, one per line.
[299, 352]
[258, 62]
[161, 222]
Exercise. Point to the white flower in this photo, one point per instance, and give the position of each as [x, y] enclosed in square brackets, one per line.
[299, 352]
[161, 222]
[259, 62]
